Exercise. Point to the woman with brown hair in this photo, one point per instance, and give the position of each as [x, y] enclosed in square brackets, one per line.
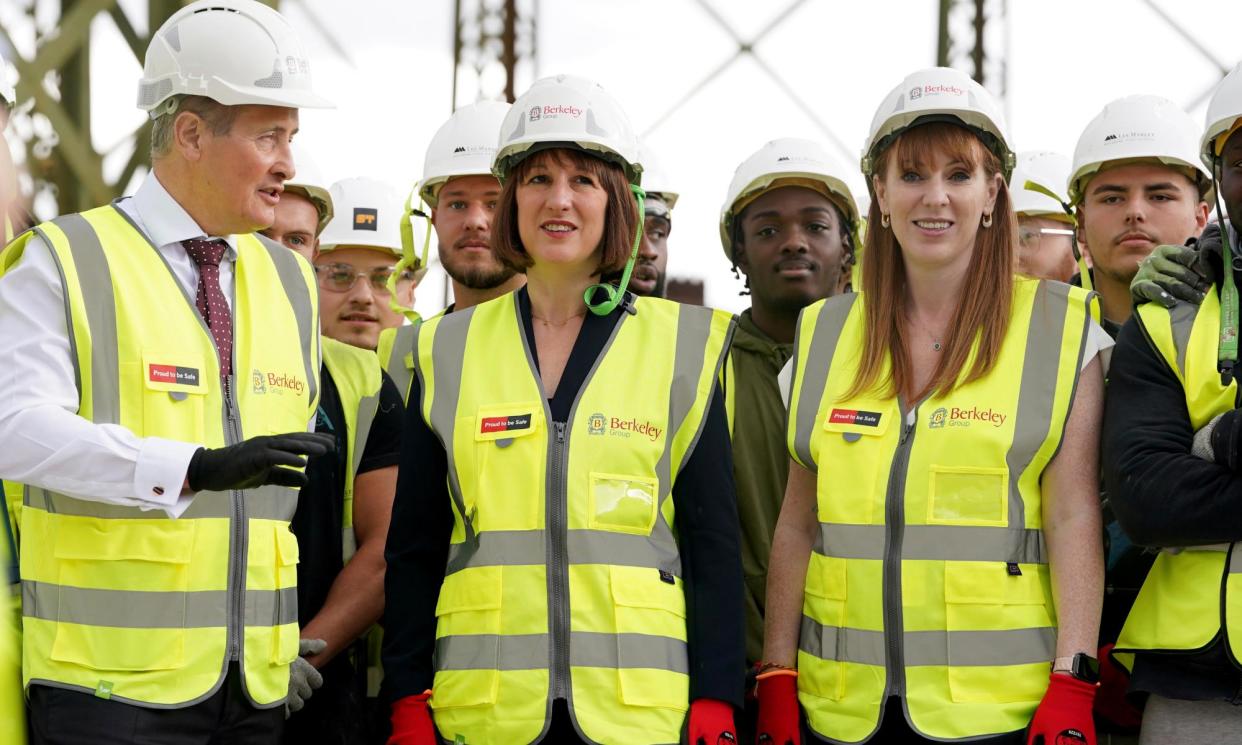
[936, 572]
[563, 562]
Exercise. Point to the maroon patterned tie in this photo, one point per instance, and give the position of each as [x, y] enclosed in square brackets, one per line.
[210, 300]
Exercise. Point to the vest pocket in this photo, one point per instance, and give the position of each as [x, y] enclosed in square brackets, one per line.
[651, 672]
[120, 598]
[968, 496]
[1010, 663]
[824, 601]
[174, 391]
[623, 504]
[285, 636]
[468, 639]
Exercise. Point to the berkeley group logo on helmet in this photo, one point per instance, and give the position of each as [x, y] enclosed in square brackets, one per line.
[554, 111]
[919, 91]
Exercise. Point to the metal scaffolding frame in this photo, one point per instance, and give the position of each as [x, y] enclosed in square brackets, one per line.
[494, 43]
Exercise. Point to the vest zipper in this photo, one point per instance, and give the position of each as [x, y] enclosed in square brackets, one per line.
[558, 566]
[894, 531]
[232, 436]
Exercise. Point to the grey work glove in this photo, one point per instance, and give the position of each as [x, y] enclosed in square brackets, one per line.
[1202, 447]
[1172, 273]
[304, 679]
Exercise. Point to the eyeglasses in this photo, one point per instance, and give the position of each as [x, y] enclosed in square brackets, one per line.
[1030, 237]
[343, 277]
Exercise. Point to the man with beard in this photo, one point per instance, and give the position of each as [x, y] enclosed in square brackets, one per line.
[1137, 182]
[789, 224]
[459, 187]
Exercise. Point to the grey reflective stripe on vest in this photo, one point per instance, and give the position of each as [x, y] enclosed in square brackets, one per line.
[286, 263]
[448, 355]
[95, 281]
[934, 543]
[587, 649]
[1235, 559]
[269, 502]
[810, 384]
[1182, 322]
[154, 610]
[527, 547]
[402, 344]
[938, 648]
[367, 407]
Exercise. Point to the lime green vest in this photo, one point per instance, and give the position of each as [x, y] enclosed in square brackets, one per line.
[12, 704]
[1189, 596]
[929, 576]
[358, 378]
[396, 355]
[563, 577]
[127, 603]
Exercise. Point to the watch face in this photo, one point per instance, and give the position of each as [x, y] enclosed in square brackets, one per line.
[1086, 667]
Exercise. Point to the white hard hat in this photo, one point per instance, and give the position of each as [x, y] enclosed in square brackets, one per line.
[1223, 111]
[1137, 128]
[465, 145]
[938, 94]
[368, 214]
[231, 51]
[655, 179]
[1043, 168]
[786, 162]
[310, 183]
[567, 110]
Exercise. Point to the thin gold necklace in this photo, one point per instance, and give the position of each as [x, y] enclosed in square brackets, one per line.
[566, 322]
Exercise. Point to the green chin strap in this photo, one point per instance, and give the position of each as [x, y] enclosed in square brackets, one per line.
[408, 257]
[1227, 350]
[616, 294]
[1084, 272]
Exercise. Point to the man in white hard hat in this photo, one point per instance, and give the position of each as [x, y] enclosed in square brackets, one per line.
[1172, 454]
[357, 255]
[1045, 228]
[161, 374]
[788, 223]
[651, 270]
[342, 516]
[461, 191]
[1137, 182]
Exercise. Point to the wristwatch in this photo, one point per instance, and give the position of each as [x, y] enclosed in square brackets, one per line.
[1081, 666]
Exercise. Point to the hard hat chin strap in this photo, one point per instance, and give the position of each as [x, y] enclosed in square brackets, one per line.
[408, 257]
[614, 295]
[1227, 350]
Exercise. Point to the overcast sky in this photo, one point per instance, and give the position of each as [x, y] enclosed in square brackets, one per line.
[1066, 59]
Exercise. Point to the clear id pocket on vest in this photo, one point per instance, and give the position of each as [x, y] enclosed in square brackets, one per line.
[625, 504]
[968, 496]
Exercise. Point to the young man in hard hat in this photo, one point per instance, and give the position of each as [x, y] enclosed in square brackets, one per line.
[1172, 462]
[788, 224]
[1136, 182]
[158, 569]
[342, 516]
[650, 274]
[1045, 227]
[459, 187]
[358, 254]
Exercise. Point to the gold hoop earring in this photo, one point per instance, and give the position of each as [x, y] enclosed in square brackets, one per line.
[884, 221]
[987, 219]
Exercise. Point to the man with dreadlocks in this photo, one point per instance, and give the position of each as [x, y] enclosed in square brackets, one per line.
[789, 224]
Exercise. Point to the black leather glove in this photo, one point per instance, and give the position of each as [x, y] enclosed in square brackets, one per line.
[257, 462]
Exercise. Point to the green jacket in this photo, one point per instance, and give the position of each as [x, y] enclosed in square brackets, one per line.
[760, 461]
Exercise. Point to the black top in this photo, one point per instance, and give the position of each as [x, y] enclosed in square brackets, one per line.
[706, 526]
[1165, 497]
[319, 517]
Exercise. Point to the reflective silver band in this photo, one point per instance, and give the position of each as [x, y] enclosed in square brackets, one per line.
[270, 502]
[931, 648]
[935, 543]
[402, 344]
[586, 649]
[527, 548]
[298, 292]
[810, 384]
[153, 610]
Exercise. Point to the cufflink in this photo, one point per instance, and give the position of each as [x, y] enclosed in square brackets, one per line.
[158, 491]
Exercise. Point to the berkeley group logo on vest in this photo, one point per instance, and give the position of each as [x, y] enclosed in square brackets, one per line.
[261, 383]
[599, 424]
[956, 417]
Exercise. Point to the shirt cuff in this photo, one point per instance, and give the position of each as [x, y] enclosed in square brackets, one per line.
[160, 472]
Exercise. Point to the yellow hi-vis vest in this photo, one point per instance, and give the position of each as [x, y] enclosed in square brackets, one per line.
[396, 355]
[128, 604]
[12, 704]
[358, 379]
[1189, 596]
[564, 578]
[929, 576]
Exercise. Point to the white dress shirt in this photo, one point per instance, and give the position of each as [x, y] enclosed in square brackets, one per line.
[43, 442]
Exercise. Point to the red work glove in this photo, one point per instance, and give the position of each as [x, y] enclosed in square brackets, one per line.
[1111, 703]
[778, 709]
[411, 721]
[1064, 716]
[711, 722]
